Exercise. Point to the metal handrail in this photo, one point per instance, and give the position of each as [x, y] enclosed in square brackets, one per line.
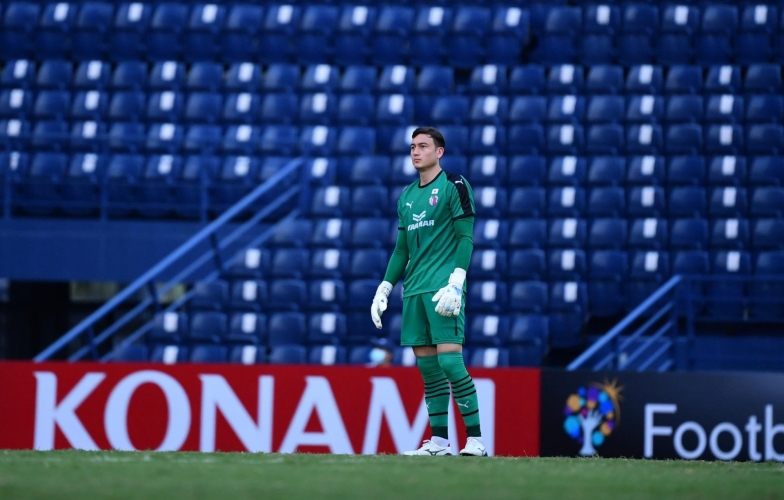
[618, 329]
[148, 277]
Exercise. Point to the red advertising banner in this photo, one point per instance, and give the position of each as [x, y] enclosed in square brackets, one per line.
[256, 408]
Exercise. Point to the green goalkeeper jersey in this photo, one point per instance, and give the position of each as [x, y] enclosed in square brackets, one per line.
[426, 214]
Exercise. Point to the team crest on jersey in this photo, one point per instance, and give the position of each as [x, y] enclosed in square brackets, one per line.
[433, 200]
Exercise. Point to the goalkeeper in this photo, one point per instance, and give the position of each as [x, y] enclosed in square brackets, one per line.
[434, 245]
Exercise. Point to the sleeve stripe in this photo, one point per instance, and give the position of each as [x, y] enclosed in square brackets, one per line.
[462, 192]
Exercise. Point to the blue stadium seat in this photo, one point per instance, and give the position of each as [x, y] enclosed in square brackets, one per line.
[643, 139]
[210, 295]
[289, 263]
[491, 202]
[567, 233]
[767, 170]
[249, 295]
[569, 264]
[248, 354]
[530, 296]
[18, 73]
[568, 310]
[164, 34]
[203, 107]
[353, 41]
[726, 108]
[691, 233]
[209, 354]
[723, 79]
[607, 273]
[606, 201]
[169, 327]
[127, 36]
[358, 79]
[684, 109]
[767, 202]
[287, 294]
[607, 233]
[527, 202]
[92, 75]
[565, 202]
[167, 75]
[488, 171]
[491, 233]
[527, 170]
[426, 40]
[487, 330]
[527, 79]
[728, 202]
[528, 264]
[396, 79]
[567, 170]
[764, 108]
[645, 109]
[762, 78]
[768, 234]
[489, 357]
[287, 329]
[528, 233]
[488, 80]
[648, 271]
[565, 79]
[133, 353]
[327, 355]
[129, 75]
[280, 25]
[165, 106]
[528, 109]
[767, 263]
[279, 77]
[205, 76]
[694, 262]
[727, 170]
[15, 103]
[91, 105]
[648, 233]
[683, 79]
[645, 79]
[52, 104]
[332, 233]
[485, 265]
[687, 202]
[606, 171]
[489, 109]
[723, 139]
[326, 295]
[326, 329]
[18, 33]
[207, 327]
[246, 77]
[764, 139]
[566, 109]
[508, 32]
[240, 34]
[245, 107]
[251, 263]
[730, 233]
[50, 135]
[646, 170]
[605, 109]
[329, 263]
[488, 297]
[288, 355]
[316, 29]
[369, 263]
[688, 170]
[389, 41]
[369, 233]
[169, 354]
[604, 78]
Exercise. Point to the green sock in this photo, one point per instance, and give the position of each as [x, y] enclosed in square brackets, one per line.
[463, 390]
[436, 394]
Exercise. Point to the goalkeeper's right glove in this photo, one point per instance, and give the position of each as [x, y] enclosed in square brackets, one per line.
[380, 302]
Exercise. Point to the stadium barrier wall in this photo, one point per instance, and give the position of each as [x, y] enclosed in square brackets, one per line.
[696, 415]
[259, 408]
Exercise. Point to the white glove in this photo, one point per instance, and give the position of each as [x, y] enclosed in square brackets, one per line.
[380, 302]
[450, 298]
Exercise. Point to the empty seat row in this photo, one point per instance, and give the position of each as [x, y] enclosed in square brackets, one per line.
[481, 357]
[392, 79]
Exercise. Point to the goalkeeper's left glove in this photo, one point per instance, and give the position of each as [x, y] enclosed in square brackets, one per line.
[450, 298]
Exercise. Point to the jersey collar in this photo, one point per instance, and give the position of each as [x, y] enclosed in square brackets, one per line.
[431, 182]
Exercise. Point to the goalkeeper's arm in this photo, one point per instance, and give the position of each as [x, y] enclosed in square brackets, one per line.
[397, 264]
[450, 298]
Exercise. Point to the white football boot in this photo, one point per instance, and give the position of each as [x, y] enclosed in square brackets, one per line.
[429, 449]
[474, 448]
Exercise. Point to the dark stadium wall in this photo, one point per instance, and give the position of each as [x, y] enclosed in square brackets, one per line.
[36, 315]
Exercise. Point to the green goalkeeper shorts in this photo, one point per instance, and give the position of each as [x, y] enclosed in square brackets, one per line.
[422, 325]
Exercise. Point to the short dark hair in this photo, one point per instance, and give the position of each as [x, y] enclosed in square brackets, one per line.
[433, 132]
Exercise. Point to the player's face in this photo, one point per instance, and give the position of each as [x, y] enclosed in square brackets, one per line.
[424, 153]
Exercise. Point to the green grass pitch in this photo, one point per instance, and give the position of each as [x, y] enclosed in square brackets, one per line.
[235, 476]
